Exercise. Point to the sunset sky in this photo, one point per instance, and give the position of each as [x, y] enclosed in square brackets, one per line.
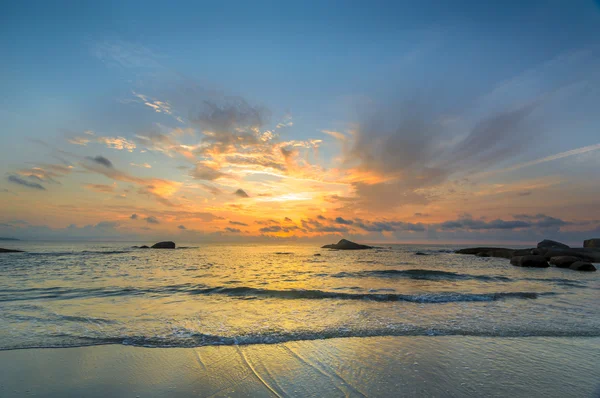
[377, 121]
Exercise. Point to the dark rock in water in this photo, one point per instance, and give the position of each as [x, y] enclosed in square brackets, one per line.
[551, 244]
[525, 252]
[529, 261]
[595, 243]
[581, 253]
[563, 261]
[421, 254]
[490, 251]
[10, 251]
[346, 245]
[482, 254]
[144, 247]
[164, 245]
[317, 254]
[582, 266]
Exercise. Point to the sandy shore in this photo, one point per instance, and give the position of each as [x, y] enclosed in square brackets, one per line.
[373, 367]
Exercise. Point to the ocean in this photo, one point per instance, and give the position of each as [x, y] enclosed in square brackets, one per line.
[82, 294]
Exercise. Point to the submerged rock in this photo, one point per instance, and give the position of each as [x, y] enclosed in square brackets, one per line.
[582, 266]
[529, 261]
[563, 261]
[164, 245]
[346, 245]
[595, 243]
[10, 251]
[421, 254]
[552, 244]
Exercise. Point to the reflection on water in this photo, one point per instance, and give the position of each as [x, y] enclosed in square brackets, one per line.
[84, 294]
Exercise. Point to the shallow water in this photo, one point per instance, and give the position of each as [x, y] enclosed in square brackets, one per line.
[64, 295]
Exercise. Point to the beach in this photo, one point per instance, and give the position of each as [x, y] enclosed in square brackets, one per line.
[453, 366]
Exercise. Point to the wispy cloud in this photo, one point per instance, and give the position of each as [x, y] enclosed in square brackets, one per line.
[561, 155]
[20, 181]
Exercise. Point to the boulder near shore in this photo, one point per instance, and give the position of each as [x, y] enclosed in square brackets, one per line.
[346, 245]
[163, 245]
[557, 254]
[594, 243]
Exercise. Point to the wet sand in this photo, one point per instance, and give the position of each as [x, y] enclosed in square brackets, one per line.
[375, 367]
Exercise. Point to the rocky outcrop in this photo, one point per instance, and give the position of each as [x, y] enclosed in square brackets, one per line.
[586, 254]
[347, 245]
[10, 251]
[164, 245]
[592, 243]
[552, 244]
[563, 261]
[144, 247]
[530, 261]
[582, 266]
[488, 252]
[558, 254]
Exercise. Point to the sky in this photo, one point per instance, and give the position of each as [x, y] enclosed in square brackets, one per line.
[403, 121]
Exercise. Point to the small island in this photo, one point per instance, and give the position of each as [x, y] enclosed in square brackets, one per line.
[346, 245]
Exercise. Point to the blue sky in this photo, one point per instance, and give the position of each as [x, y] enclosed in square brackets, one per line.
[361, 69]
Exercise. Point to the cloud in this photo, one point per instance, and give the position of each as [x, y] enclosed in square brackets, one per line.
[399, 153]
[335, 134]
[561, 155]
[340, 220]
[238, 223]
[471, 224]
[101, 160]
[134, 216]
[151, 220]
[143, 165]
[182, 227]
[241, 193]
[117, 143]
[203, 171]
[101, 188]
[20, 181]
[232, 230]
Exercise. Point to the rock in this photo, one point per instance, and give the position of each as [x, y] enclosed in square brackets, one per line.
[421, 254]
[582, 266]
[592, 243]
[346, 245]
[582, 254]
[490, 251]
[144, 247]
[482, 254]
[10, 251]
[164, 245]
[317, 254]
[563, 261]
[551, 244]
[529, 261]
[526, 252]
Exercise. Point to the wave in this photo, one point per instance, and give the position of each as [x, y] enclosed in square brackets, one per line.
[419, 274]
[186, 339]
[245, 292]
